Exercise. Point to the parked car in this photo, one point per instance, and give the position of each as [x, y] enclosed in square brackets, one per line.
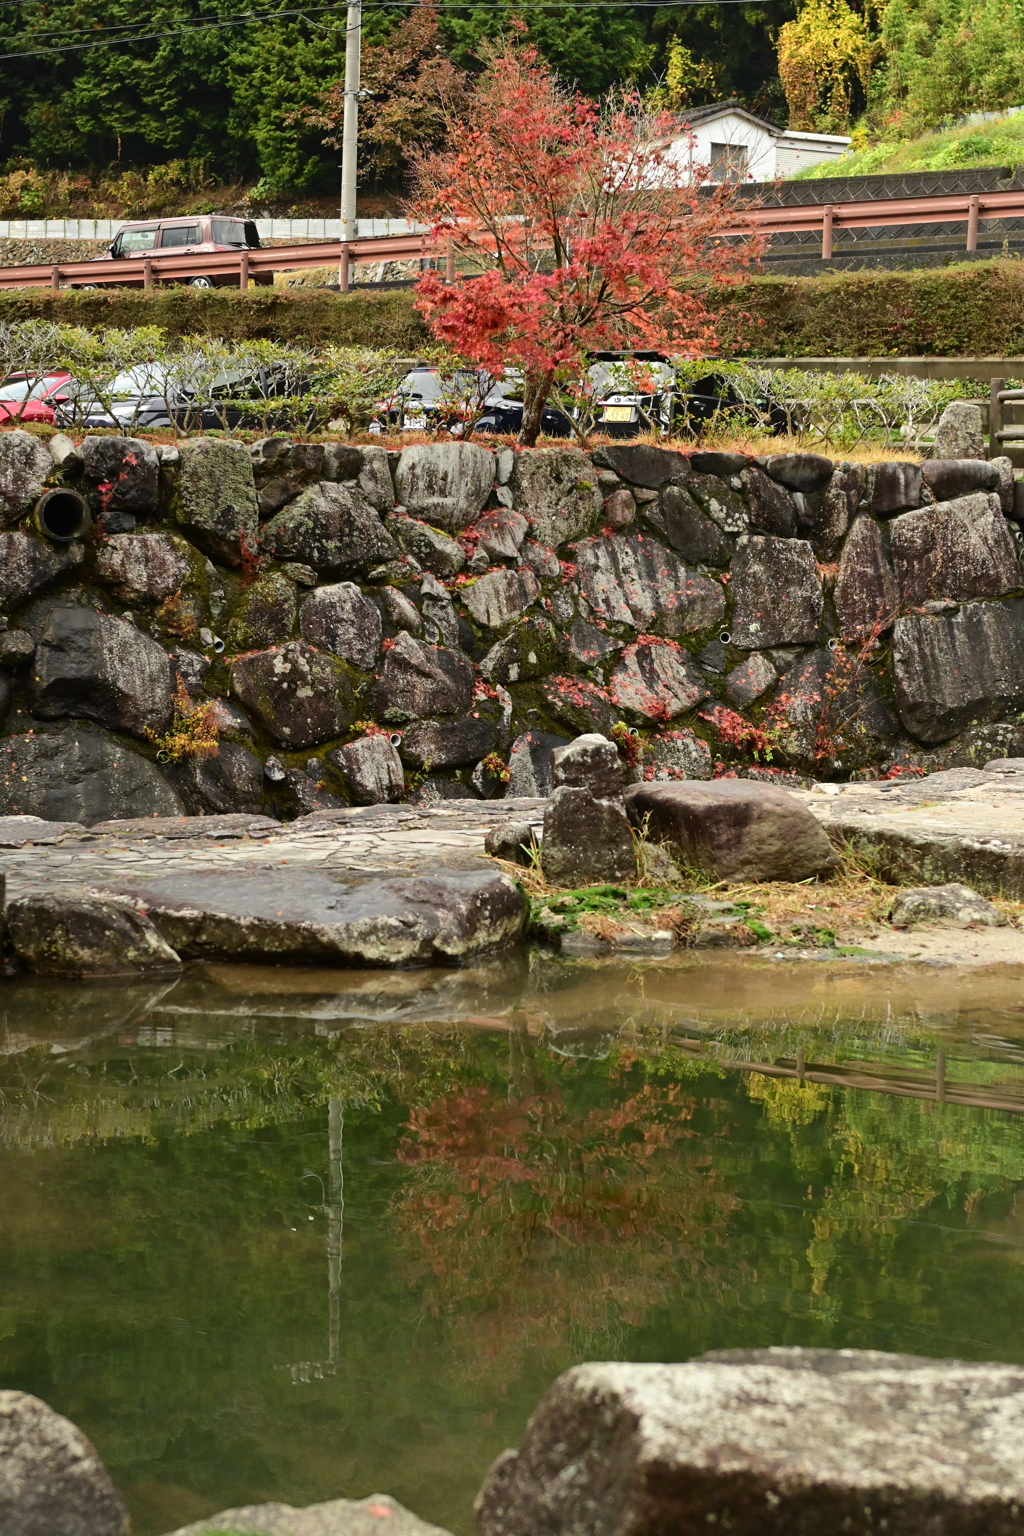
[34, 397]
[192, 235]
[425, 394]
[149, 396]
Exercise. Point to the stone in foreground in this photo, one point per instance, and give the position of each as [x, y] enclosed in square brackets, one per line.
[952, 904]
[63, 933]
[587, 840]
[378, 1515]
[775, 1442]
[735, 829]
[52, 1482]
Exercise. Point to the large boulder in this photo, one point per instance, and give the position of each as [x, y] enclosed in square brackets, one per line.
[431, 548]
[957, 549]
[264, 614]
[722, 504]
[949, 478]
[960, 433]
[893, 486]
[377, 1515]
[771, 506]
[230, 783]
[529, 764]
[831, 713]
[371, 768]
[419, 681]
[773, 1442]
[804, 472]
[952, 671]
[434, 744]
[656, 681]
[557, 490]
[499, 597]
[776, 592]
[674, 755]
[75, 933]
[93, 666]
[124, 471]
[28, 564]
[25, 464]
[632, 579]
[144, 568]
[642, 463]
[341, 619]
[217, 498]
[80, 774]
[734, 829]
[867, 598]
[529, 650]
[446, 484]
[676, 517]
[332, 528]
[299, 695]
[52, 1482]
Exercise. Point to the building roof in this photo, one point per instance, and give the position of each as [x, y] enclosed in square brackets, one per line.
[732, 108]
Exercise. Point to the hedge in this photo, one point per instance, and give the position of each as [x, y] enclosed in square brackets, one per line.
[973, 310]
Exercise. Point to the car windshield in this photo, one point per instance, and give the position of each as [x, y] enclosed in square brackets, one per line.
[32, 388]
[629, 378]
[430, 385]
[146, 379]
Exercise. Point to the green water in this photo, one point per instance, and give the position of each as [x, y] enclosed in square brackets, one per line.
[302, 1235]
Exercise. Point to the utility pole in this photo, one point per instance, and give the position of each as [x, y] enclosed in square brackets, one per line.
[350, 125]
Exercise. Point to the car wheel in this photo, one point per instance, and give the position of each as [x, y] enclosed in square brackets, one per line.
[87, 287]
[200, 282]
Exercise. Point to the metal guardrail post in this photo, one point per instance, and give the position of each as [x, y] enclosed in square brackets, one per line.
[343, 269]
[147, 272]
[827, 215]
[55, 279]
[972, 224]
[243, 272]
[995, 417]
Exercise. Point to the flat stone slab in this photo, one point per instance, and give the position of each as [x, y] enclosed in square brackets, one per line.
[379, 1515]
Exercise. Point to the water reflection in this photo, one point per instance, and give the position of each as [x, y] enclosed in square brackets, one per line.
[288, 1235]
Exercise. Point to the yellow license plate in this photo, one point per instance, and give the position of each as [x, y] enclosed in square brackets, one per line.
[618, 413]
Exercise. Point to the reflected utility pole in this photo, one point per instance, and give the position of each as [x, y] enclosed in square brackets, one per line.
[335, 1226]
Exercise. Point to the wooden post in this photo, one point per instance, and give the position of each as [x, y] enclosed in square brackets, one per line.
[147, 272]
[449, 263]
[972, 224]
[995, 417]
[940, 1077]
[343, 268]
[243, 272]
[55, 279]
[828, 212]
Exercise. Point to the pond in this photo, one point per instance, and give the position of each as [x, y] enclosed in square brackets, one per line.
[298, 1235]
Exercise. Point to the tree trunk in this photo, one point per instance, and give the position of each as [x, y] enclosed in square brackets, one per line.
[536, 388]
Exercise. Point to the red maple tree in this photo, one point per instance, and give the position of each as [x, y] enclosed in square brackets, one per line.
[579, 228]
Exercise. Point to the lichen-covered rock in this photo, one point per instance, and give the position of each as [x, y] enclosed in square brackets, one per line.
[529, 650]
[619, 510]
[338, 1517]
[777, 594]
[231, 783]
[82, 775]
[499, 534]
[836, 507]
[557, 490]
[25, 463]
[499, 597]
[446, 484]
[435, 744]
[681, 523]
[581, 705]
[332, 528]
[750, 680]
[126, 467]
[722, 504]
[805, 472]
[419, 681]
[656, 681]
[674, 755]
[955, 905]
[734, 829]
[950, 478]
[767, 1442]
[341, 619]
[78, 933]
[301, 696]
[144, 568]
[771, 506]
[632, 579]
[28, 564]
[375, 480]
[894, 486]
[587, 840]
[1006, 484]
[217, 498]
[959, 434]
[717, 462]
[867, 598]
[371, 768]
[434, 550]
[957, 549]
[100, 668]
[529, 764]
[265, 614]
[956, 670]
[585, 643]
[440, 621]
[642, 464]
[16, 648]
[52, 1481]
[400, 611]
[831, 714]
[591, 762]
[541, 560]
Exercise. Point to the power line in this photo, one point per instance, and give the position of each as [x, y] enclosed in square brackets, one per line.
[448, 5]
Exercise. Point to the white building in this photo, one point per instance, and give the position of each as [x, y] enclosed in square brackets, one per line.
[739, 146]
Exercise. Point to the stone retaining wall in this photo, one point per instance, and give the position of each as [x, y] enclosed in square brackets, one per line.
[291, 626]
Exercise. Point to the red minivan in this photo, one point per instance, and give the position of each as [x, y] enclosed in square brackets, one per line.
[192, 235]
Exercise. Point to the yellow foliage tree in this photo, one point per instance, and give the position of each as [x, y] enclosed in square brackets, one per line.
[821, 55]
[686, 81]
